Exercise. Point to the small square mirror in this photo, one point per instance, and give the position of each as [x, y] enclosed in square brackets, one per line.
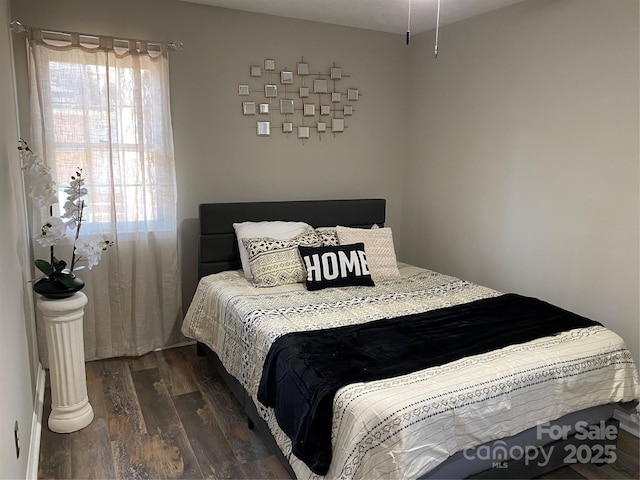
[286, 78]
[303, 132]
[325, 109]
[348, 110]
[286, 106]
[269, 64]
[304, 92]
[256, 71]
[270, 91]
[287, 127]
[335, 97]
[243, 90]
[263, 129]
[309, 110]
[248, 108]
[337, 124]
[352, 94]
[322, 127]
[303, 68]
[319, 85]
[336, 73]
[264, 108]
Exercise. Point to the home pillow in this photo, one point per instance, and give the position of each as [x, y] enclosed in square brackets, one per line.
[336, 266]
[277, 230]
[277, 262]
[378, 243]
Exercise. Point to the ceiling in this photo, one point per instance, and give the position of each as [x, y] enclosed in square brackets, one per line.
[381, 15]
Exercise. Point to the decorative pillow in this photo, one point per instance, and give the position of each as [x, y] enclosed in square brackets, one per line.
[336, 266]
[278, 230]
[378, 243]
[277, 262]
[328, 235]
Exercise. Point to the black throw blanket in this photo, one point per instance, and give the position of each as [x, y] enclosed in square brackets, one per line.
[304, 370]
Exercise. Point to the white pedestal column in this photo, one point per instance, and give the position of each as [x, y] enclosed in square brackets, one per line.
[70, 407]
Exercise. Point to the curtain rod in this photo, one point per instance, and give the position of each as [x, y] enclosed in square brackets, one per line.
[18, 27]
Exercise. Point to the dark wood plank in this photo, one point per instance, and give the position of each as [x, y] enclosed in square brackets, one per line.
[121, 402]
[154, 400]
[92, 451]
[165, 454]
[175, 365]
[132, 457]
[269, 467]
[143, 362]
[91, 446]
[230, 417]
[216, 457]
[95, 389]
[217, 394]
[166, 446]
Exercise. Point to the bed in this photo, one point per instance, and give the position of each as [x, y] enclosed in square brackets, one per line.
[514, 411]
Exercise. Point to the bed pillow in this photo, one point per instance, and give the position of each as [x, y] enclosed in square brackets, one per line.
[336, 266]
[328, 235]
[277, 230]
[378, 243]
[277, 262]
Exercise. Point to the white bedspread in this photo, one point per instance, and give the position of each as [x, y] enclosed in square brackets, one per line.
[405, 426]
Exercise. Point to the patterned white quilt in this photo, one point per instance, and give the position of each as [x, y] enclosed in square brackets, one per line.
[405, 426]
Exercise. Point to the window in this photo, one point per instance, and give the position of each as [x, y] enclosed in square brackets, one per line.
[106, 120]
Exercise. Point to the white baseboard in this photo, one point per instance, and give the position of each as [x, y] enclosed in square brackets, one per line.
[36, 425]
[628, 422]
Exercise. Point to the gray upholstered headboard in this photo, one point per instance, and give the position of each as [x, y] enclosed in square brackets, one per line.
[218, 247]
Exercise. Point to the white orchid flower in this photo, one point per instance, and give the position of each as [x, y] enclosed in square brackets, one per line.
[71, 211]
[40, 169]
[44, 191]
[45, 194]
[52, 230]
[92, 250]
[76, 188]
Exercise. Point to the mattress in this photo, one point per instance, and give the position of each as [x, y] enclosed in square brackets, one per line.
[405, 426]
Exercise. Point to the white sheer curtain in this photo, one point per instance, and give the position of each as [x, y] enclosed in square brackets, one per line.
[103, 105]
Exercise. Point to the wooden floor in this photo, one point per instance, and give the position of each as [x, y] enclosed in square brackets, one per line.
[168, 415]
[163, 415]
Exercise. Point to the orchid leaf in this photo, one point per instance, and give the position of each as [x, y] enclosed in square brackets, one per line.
[44, 266]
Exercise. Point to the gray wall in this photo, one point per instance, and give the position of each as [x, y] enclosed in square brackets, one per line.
[523, 166]
[17, 354]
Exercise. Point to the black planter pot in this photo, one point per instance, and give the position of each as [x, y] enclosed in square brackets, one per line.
[54, 289]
